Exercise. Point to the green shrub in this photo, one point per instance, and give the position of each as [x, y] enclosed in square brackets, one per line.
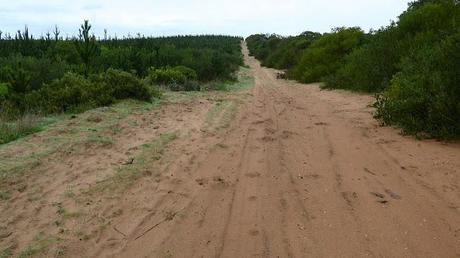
[370, 67]
[176, 79]
[166, 76]
[425, 95]
[280, 52]
[189, 73]
[70, 93]
[325, 55]
[4, 88]
[26, 73]
[75, 93]
[116, 85]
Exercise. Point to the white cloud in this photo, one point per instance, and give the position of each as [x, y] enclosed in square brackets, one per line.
[237, 17]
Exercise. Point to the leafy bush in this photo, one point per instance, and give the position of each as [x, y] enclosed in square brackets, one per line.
[425, 95]
[370, 67]
[75, 93]
[4, 90]
[116, 85]
[69, 93]
[324, 57]
[280, 52]
[176, 78]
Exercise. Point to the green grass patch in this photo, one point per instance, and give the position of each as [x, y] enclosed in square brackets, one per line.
[6, 253]
[28, 124]
[5, 195]
[39, 246]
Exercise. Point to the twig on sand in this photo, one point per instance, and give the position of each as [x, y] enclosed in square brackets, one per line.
[168, 218]
[121, 233]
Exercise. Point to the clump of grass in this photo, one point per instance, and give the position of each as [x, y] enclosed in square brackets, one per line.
[6, 253]
[12, 130]
[39, 246]
[5, 195]
[69, 194]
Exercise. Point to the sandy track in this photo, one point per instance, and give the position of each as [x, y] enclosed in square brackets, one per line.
[309, 173]
[299, 172]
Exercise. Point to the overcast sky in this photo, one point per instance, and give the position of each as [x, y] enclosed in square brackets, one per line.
[173, 17]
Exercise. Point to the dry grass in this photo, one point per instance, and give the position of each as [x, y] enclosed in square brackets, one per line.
[12, 130]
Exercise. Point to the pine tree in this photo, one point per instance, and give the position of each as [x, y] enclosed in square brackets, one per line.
[86, 46]
[56, 33]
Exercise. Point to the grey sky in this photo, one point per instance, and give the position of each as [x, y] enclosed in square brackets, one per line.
[172, 17]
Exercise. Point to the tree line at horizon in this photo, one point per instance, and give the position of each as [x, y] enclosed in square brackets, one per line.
[51, 74]
[412, 65]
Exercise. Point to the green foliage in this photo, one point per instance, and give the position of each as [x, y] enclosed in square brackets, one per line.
[67, 94]
[177, 78]
[116, 85]
[4, 90]
[12, 130]
[75, 93]
[425, 95]
[326, 54]
[370, 67]
[279, 52]
[87, 47]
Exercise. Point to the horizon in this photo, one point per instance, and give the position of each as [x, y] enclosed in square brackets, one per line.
[196, 17]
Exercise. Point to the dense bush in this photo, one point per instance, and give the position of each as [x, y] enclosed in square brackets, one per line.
[176, 78]
[69, 93]
[425, 95]
[369, 68]
[116, 84]
[76, 93]
[326, 54]
[280, 52]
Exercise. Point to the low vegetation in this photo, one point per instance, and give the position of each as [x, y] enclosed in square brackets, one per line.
[412, 65]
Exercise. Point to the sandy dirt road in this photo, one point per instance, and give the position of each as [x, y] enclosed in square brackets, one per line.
[308, 173]
[299, 172]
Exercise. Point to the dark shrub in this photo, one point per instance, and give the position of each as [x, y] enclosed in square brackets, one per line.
[324, 57]
[116, 84]
[69, 93]
[425, 95]
[178, 78]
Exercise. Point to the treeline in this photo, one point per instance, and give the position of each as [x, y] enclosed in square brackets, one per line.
[51, 74]
[413, 65]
